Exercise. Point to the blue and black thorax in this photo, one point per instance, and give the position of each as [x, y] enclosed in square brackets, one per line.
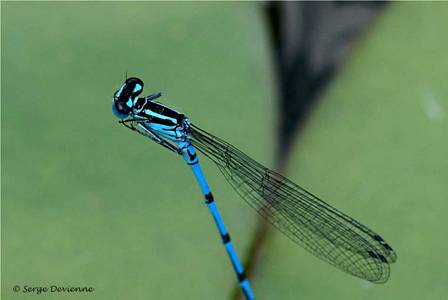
[148, 115]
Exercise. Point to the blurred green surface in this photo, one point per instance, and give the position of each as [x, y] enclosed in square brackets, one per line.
[86, 201]
[376, 147]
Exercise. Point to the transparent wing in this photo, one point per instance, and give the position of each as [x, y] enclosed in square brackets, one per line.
[305, 219]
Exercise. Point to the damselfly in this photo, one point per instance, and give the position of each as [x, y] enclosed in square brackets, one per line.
[307, 220]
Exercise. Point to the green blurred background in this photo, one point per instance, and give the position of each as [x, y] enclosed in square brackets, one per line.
[86, 202]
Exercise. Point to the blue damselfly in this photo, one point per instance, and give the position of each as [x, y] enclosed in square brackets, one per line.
[307, 220]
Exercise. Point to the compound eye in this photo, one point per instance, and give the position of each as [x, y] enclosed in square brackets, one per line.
[134, 80]
[122, 107]
[136, 85]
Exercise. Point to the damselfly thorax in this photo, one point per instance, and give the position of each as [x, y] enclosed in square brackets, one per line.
[162, 124]
[162, 120]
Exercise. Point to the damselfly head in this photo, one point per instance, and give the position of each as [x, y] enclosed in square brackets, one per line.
[125, 96]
